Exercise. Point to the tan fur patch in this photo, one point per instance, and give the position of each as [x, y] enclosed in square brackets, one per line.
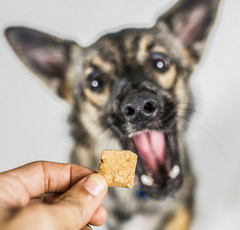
[88, 71]
[180, 221]
[105, 66]
[182, 94]
[181, 91]
[90, 119]
[142, 53]
[84, 155]
[189, 57]
[67, 91]
[95, 98]
[166, 80]
[159, 49]
[128, 41]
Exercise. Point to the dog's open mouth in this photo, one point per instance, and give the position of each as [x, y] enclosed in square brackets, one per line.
[158, 169]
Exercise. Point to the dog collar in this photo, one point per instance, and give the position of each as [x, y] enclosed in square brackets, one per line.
[141, 195]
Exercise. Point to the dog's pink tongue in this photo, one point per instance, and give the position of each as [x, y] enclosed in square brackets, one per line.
[151, 148]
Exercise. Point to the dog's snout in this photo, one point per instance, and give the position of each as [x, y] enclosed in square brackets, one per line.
[140, 107]
[149, 108]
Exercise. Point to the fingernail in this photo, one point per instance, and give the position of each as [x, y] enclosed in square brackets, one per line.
[94, 185]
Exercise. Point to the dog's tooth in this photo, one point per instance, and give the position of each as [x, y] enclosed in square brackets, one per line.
[174, 172]
[147, 180]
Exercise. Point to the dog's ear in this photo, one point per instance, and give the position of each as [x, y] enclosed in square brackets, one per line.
[190, 21]
[45, 55]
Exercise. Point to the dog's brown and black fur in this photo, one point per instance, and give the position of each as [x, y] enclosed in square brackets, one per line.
[128, 88]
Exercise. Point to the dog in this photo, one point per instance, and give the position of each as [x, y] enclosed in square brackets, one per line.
[130, 90]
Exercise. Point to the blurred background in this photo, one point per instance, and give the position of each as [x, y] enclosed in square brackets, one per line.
[33, 121]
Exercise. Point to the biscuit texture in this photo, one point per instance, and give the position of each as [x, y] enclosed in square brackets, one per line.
[118, 167]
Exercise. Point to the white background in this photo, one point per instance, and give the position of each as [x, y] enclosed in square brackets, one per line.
[33, 121]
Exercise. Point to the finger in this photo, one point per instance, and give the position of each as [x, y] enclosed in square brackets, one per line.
[35, 201]
[87, 227]
[99, 217]
[17, 186]
[88, 200]
[50, 198]
[72, 211]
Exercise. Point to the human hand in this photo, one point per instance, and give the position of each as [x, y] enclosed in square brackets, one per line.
[72, 200]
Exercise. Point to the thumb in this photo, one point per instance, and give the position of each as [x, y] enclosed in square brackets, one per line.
[78, 205]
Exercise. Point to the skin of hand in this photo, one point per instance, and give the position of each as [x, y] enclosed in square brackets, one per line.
[49, 196]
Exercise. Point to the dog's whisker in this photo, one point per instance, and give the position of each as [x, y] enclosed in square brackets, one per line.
[94, 139]
[208, 134]
[187, 103]
[194, 110]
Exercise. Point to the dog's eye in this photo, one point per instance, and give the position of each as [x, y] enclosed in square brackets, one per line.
[160, 62]
[95, 82]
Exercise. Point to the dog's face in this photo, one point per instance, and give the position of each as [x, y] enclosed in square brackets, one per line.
[133, 83]
[137, 82]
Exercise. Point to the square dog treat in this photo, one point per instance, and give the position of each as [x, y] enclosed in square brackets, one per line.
[118, 167]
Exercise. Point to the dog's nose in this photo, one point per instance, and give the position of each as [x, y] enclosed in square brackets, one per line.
[140, 107]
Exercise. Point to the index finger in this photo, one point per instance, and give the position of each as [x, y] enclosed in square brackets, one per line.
[35, 179]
